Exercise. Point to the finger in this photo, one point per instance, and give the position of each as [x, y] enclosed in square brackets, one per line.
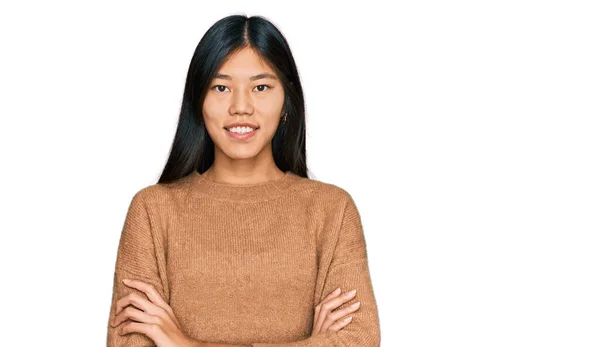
[149, 290]
[155, 298]
[135, 300]
[136, 315]
[316, 323]
[339, 324]
[321, 315]
[316, 318]
[150, 330]
[336, 315]
[333, 294]
[339, 300]
[331, 304]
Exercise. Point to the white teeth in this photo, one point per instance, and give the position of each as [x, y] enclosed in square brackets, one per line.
[240, 130]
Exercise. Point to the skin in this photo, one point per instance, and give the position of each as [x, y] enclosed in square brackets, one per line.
[238, 99]
[150, 316]
[325, 319]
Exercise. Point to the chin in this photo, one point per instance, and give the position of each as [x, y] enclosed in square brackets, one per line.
[243, 154]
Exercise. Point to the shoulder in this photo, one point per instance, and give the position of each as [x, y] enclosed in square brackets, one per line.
[159, 195]
[326, 193]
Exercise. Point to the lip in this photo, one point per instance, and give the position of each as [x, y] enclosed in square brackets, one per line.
[245, 136]
[242, 125]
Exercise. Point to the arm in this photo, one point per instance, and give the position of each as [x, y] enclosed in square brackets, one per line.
[349, 270]
[136, 259]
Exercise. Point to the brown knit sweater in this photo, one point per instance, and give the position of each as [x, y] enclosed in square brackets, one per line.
[247, 264]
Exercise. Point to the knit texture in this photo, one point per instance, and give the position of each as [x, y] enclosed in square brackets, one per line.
[247, 264]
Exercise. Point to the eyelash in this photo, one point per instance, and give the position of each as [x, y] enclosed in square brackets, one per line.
[220, 85]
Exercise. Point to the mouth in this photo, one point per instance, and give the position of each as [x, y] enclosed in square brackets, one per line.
[241, 133]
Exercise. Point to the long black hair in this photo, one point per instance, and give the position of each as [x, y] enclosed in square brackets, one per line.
[192, 148]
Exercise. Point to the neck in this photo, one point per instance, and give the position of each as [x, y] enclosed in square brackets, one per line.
[245, 192]
[255, 170]
[251, 176]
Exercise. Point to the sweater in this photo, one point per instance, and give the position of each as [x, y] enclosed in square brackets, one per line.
[246, 264]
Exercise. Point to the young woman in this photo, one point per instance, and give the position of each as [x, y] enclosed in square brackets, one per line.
[235, 245]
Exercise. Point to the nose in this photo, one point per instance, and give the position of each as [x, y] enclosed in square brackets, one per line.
[241, 103]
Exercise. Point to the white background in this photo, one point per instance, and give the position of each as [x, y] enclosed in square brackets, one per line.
[466, 131]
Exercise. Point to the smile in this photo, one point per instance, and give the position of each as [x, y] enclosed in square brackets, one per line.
[241, 133]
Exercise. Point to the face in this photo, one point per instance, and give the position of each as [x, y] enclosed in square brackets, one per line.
[245, 90]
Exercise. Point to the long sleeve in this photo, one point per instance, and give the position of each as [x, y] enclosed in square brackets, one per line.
[349, 270]
[136, 259]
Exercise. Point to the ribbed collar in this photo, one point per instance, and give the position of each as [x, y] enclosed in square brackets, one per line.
[244, 192]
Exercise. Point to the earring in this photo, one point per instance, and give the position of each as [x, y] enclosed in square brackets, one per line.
[284, 117]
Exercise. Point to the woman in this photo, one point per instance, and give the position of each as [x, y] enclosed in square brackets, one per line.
[235, 245]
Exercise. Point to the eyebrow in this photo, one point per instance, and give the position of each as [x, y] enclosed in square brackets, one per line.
[252, 78]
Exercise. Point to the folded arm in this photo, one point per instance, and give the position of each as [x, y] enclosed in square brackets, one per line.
[136, 259]
[348, 270]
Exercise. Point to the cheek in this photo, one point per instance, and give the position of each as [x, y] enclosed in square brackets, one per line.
[211, 119]
[270, 125]
[270, 113]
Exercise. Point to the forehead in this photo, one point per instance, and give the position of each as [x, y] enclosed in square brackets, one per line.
[244, 63]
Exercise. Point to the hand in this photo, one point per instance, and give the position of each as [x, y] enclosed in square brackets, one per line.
[153, 318]
[326, 320]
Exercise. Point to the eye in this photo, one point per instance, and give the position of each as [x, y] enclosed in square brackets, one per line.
[218, 89]
[263, 85]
